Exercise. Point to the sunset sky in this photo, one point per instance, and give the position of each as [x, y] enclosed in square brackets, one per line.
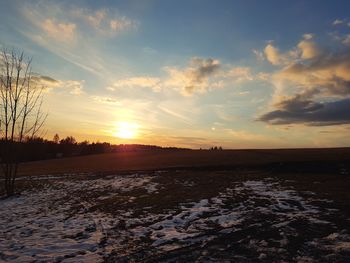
[236, 74]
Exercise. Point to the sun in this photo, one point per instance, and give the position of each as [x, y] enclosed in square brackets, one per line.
[126, 130]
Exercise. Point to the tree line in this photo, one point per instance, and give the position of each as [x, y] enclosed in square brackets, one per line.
[38, 148]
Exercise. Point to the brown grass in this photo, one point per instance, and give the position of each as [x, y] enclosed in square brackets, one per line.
[163, 159]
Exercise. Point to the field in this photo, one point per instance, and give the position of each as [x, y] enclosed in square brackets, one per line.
[165, 159]
[182, 206]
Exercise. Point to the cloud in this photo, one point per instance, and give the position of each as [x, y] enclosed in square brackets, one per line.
[121, 24]
[308, 36]
[239, 74]
[74, 87]
[52, 22]
[64, 22]
[338, 22]
[309, 49]
[199, 76]
[175, 114]
[346, 40]
[105, 21]
[305, 49]
[83, 57]
[93, 19]
[207, 74]
[275, 57]
[194, 78]
[63, 28]
[40, 79]
[320, 82]
[203, 68]
[341, 37]
[59, 30]
[272, 54]
[264, 76]
[135, 82]
[105, 100]
[259, 55]
[329, 74]
[309, 112]
[45, 82]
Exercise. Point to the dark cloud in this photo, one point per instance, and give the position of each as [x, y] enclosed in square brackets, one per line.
[203, 68]
[44, 79]
[309, 112]
[298, 104]
[49, 79]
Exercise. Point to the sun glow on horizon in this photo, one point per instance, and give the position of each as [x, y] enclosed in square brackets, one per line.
[126, 130]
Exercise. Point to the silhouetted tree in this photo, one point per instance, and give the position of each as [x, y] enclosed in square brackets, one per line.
[21, 115]
[68, 140]
[56, 138]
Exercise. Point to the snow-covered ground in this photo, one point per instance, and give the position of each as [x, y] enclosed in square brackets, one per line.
[96, 219]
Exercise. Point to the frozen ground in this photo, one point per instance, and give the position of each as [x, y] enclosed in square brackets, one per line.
[171, 217]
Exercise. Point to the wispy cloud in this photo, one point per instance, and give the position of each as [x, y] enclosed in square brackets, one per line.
[106, 100]
[259, 55]
[239, 74]
[136, 82]
[63, 29]
[59, 30]
[176, 114]
[105, 21]
[59, 18]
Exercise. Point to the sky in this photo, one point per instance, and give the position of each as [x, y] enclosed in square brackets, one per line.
[191, 73]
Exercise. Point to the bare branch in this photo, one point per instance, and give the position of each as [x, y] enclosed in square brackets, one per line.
[21, 111]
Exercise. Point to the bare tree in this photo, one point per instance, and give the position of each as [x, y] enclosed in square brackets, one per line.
[21, 113]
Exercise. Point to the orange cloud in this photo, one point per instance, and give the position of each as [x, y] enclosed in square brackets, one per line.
[308, 49]
[275, 57]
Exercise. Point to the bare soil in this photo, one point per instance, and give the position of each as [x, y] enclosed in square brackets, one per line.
[165, 159]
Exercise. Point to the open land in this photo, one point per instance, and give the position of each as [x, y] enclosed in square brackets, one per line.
[182, 206]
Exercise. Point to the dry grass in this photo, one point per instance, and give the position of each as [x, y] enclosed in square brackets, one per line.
[164, 159]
